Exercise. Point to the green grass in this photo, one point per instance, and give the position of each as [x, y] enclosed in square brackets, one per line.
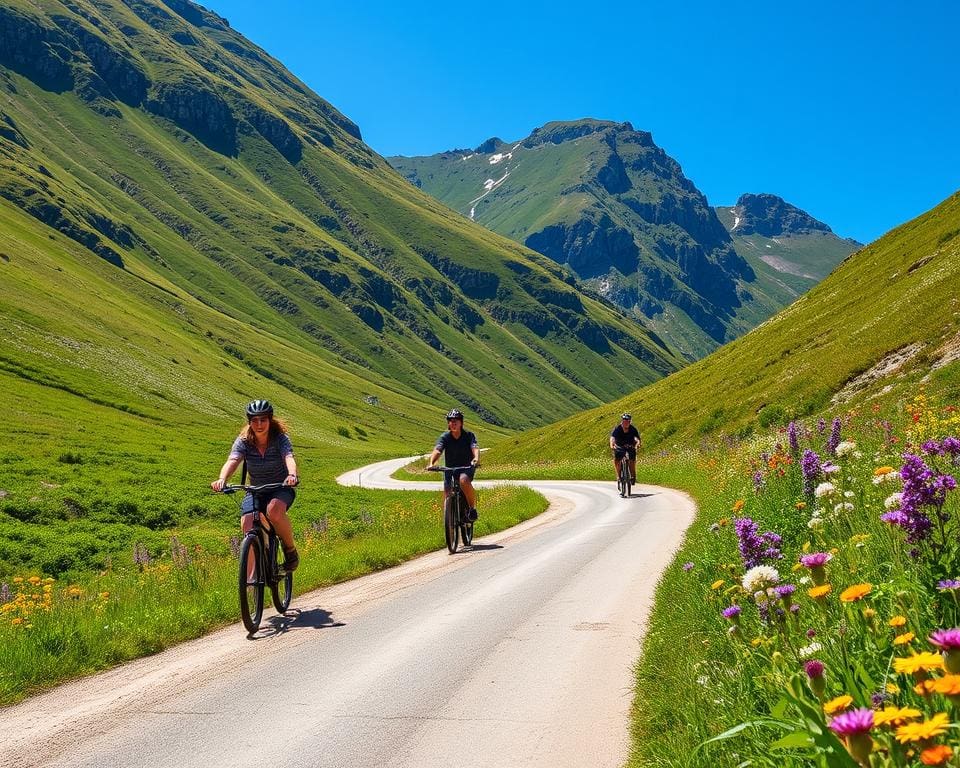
[125, 610]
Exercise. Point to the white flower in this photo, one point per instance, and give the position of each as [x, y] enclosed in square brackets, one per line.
[815, 523]
[824, 489]
[703, 680]
[893, 501]
[846, 448]
[810, 650]
[760, 577]
[889, 477]
[849, 494]
[804, 580]
[845, 506]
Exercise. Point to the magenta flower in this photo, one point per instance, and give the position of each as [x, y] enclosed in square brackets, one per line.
[946, 639]
[815, 559]
[852, 723]
[814, 668]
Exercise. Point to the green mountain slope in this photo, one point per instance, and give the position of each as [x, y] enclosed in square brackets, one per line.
[886, 321]
[154, 147]
[788, 249]
[605, 200]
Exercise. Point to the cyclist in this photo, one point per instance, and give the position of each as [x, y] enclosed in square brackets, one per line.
[460, 449]
[624, 441]
[265, 447]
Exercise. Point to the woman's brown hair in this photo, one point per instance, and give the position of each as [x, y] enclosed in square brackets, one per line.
[277, 428]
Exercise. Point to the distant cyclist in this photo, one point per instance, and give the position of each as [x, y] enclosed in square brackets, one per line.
[460, 449]
[265, 446]
[624, 441]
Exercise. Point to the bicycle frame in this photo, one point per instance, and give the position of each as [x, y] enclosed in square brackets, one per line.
[455, 524]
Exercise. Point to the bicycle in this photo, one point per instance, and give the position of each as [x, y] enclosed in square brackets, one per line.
[455, 522]
[624, 480]
[261, 561]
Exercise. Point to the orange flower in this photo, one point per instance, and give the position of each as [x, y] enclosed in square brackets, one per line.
[903, 639]
[856, 592]
[738, 505]
[924, 731]
[924, 687]
[895, 716]
[948, 685]
[897, 621]
[817, 592]
[918, 662]
[936, 755]
[881, 471]
[838, 704]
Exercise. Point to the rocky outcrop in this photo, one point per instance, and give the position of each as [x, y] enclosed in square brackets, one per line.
[196, 107]
[772, 216]
[559, 132]
[39, 52]
[274, 129]
[589, 246]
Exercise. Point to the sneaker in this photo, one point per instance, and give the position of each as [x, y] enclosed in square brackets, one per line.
[633, 479]
[291, 559]
[472, 514]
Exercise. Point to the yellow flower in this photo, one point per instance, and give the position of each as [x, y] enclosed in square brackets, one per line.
[918, 662]
[859, 538]
[897, 621]
[881, 471]
[16, 621]
[928, 729]
[948, 685]
[801, 505]
[738, 505]
[74, 591]
[806, 546]
[104, 595]
[869, 613]
[838, 704]
[717, 584]
[856, 592]
[903, 639]
[756, 641]
[18, 579]
[817, 592]
[895, 716]
[924, 687]
[797, 567]
[34, 580]
[892, 688]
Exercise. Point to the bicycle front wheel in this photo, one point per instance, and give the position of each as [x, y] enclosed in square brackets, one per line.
[282, 586]
[450, 530]
[251, 582]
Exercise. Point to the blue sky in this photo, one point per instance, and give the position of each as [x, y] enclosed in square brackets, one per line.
[849, 110]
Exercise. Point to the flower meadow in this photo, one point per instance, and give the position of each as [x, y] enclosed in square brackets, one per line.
[831, 571]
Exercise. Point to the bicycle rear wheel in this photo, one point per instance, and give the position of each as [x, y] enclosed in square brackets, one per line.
[251, 582]
[282, 586]
[450, 529]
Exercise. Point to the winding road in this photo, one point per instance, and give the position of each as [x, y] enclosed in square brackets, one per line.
[517, 652]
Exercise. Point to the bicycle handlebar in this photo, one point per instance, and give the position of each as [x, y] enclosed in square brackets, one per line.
[451, 469]
[254, 488]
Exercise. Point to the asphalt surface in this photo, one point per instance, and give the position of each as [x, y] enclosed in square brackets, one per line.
[517, 651]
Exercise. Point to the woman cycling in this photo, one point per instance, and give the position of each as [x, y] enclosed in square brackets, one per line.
[265, 447]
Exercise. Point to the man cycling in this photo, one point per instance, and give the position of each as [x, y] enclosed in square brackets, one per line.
[624, 441]
[460, 449]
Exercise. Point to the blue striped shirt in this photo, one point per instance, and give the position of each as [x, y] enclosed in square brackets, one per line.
[269, 467]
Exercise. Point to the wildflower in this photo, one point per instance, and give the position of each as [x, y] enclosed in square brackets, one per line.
[732, 613]
[839, 704]
[793, 438]
[897, 621]
[717, 584]
[893, 501]
[810, 469]
[759, 577]
[936, 755]
[948, 641]
[834, 440]
[801, 505]
[737, 505]
[824, 489]
[854, 727]
[918, 663]
[892, 688]
[946, 585]
[949, 686]
[820, 591]
[810, 650]
[815, 677]
[895, 716]
[688, 566]
[856, 592]
[904, 639]
[845, 448]
[829, 468]
[755, 548]
[928, 729]
[816, 561]
[783, 591]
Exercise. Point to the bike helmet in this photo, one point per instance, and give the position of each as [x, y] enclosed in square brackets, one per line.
[259, 408]
[456, 413]
[626, 416]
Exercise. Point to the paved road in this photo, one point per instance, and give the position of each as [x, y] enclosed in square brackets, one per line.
[517, 652]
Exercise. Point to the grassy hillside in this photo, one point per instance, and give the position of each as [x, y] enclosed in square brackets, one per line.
[884, 322]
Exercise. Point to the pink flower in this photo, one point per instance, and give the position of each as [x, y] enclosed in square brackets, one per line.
[815, 559]
[946, 639]
[851, 723]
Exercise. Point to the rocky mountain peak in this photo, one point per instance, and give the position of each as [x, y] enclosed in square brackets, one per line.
[770, 216]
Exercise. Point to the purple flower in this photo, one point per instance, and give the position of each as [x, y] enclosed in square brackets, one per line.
[834, 440]
[945, 639]
[815, 559]
[793, 439]
[951, 445]
[141, 555]
[821, 425]
[948, 584]
[814, 668]
[732, 612]
[688, 566]
[878, 699]
[757, 480]
[811, 633]
[755, 549]
[922, 487]
[931, 448]
[794, 608]
[851, 723]
[784, 590]
[5, 596]
[810, 467]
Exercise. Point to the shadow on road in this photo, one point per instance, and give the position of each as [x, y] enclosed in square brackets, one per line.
[294, 618]
[481, 547]
[639, 495]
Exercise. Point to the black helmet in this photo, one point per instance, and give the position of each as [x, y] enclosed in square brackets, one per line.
[626, 416]
[259, 408]
[456, 413]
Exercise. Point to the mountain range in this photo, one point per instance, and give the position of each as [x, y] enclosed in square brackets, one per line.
[603, 199]
[154, 162]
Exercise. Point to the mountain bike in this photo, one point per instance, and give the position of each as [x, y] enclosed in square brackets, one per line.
[624, 480]
[261, 561]
[456, 525]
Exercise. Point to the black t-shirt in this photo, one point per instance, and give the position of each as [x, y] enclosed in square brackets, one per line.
[457, 453]
[626, 439]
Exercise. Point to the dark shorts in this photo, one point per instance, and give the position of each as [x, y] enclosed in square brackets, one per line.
[449, 476]
[286, 495]
[631, 453]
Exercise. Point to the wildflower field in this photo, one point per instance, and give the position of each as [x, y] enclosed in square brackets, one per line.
[812, 618]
